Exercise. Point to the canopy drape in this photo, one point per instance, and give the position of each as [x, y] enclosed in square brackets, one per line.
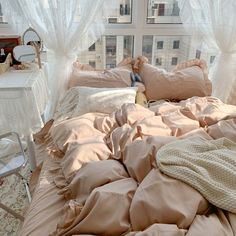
[215, 21]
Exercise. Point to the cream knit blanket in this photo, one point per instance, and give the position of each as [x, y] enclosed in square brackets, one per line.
[209, 166]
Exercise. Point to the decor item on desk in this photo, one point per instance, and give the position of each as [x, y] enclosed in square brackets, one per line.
[8, 42]
[31, 37]
[25, 54]
[30, 49]
[2, 55]
[6, 64]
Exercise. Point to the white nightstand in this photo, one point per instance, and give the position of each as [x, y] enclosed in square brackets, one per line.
[23, 98]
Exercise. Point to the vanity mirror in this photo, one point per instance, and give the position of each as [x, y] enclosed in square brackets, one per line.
[24, 53]
[32, 45]
[31, 37]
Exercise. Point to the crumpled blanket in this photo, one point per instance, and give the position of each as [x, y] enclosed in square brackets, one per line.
[137, 198]
[207, 165]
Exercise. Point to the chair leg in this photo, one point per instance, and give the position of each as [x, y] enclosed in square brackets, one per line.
[26, 185]
[9, 210]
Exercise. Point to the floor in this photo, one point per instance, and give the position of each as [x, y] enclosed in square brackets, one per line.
[13, 194]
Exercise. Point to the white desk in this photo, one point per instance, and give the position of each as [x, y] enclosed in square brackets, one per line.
[23, 98]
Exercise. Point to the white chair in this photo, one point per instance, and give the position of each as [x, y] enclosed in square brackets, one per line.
[12, 159]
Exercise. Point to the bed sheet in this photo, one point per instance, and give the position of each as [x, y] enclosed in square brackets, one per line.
[46, 206]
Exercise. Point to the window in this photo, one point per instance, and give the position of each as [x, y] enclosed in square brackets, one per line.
[110, 46]
[92, 48]
[121, 14]
[159, 44]
[1, 15]
[176, 44]
[92, 63]
[160, 11]
[174, 61]
[131, 34]
[212, 58]
[198, 54]
[109, 66]
[110, 50]
[127, 9]
[151, 52]
[121, 10]
[147, 47]
[158, 61]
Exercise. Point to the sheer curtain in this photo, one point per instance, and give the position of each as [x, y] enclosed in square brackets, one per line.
[66, 27]
[14, 15]
[215, 21]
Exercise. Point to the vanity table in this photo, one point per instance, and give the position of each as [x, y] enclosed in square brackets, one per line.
[23, 99]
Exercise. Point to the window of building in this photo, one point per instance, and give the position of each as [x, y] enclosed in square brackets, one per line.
[92, 63]
[137, 37]
[212, 58]
[198, 54]
[110, 50]
[160, 11]
[109, 66]
[122, 14]
[1, 15]
[121, 10]
[92, 48]
[160, 44]
[174, 61]
[176, 44]
[158, 61]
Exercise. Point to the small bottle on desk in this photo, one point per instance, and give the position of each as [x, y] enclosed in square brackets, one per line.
[2, 55]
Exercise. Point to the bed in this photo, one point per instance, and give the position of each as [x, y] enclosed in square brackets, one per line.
[115, 167]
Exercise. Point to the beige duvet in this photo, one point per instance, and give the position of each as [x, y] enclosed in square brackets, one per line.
[114, 184]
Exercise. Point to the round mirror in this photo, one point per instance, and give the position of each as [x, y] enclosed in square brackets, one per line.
[31, 37]
[24, 53]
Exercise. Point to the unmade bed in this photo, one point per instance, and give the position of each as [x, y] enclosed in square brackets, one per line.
[115, 168]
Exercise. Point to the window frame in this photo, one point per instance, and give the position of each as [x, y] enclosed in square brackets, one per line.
[139, 27]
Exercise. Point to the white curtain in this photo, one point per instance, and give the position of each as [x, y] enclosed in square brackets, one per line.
[215, 21]
[15, 17]
[66, 27]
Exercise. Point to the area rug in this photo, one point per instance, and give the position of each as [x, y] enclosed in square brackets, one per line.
[13, 195]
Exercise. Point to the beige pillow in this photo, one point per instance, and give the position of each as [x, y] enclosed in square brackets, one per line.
[185, 81]
[113, 78]
[104, 100]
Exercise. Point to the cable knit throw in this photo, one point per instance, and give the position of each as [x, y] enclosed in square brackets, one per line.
[207, 166]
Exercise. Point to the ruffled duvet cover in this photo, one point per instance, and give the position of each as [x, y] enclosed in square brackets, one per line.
[168, 171]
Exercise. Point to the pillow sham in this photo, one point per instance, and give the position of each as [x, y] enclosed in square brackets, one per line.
[104, 100]
[113, 78]
[187, 80]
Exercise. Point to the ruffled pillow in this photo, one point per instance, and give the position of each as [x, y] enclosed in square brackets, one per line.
[113, 78]
[186, 80]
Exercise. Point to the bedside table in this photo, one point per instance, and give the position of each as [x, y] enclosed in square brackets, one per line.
[23, 99]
